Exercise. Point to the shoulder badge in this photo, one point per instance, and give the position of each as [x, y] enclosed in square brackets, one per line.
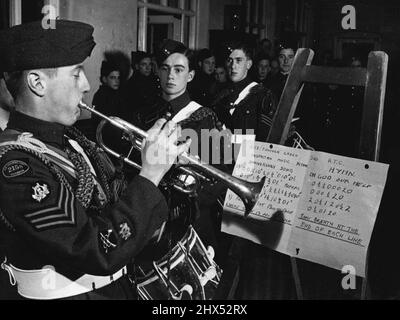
[15, 168]
[124, 231]
[40, 192]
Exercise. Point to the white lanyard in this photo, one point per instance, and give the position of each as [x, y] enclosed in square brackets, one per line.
[242, 95]
[186, 111]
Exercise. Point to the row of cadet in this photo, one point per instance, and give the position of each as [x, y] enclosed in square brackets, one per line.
[326, 113]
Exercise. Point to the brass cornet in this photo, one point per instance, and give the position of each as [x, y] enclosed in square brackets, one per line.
[247, 191]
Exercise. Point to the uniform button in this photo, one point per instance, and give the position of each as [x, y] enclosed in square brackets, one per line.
[247, 111]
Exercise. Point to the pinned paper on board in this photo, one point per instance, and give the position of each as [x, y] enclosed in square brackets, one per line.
[314, 205]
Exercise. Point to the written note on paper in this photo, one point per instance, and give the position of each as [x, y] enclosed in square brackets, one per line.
[323, 205]
[284, 171]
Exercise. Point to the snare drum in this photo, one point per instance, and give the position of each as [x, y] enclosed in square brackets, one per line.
[187, 272]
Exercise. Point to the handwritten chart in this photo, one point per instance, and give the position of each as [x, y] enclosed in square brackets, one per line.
[314, 205]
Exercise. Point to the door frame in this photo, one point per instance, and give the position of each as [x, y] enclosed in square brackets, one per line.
[174, 32]
[16, 10]
[192, 15]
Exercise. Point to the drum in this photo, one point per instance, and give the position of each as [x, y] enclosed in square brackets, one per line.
[187, 272]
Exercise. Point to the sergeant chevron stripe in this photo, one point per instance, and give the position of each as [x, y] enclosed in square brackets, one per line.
[266, 120]
[61, 215]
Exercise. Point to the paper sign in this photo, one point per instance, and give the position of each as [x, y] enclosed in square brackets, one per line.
[314, 205]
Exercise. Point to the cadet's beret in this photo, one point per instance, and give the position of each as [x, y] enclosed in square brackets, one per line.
[138, 56]
[204, 54]
[107, 68]
[30, 46]
[168, 47]
[288, 42]
[233, 45]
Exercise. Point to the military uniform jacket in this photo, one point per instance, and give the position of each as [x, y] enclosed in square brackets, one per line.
[203, 88]
[255, 111]
[277, 84]
[44, 221]
[140, 93]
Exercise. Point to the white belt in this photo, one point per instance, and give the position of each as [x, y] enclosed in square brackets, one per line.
[46, 283]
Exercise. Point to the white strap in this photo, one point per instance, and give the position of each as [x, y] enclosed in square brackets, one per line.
[186, 111]
[243, 95]
[46, 283]
[7, 268]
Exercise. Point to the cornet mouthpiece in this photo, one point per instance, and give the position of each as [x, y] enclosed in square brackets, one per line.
[82, 105]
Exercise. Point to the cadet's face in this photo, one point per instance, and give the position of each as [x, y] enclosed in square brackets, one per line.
[208, 65]
[220, 74]
[64, 92]
[263, 68]
[285, 58]
[238, 65]
[145, 66]
[113, 80]
[174, 75]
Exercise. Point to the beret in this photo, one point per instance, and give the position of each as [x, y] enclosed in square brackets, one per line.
[138, 56]
[108, 67]
[204, 54]
[30, 46]
[288, 42]
[168, 47]
[228, 47]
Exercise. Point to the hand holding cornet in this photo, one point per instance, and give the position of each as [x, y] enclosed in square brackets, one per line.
[160, 150]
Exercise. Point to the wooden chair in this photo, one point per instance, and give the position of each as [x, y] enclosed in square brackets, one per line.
[373, 78]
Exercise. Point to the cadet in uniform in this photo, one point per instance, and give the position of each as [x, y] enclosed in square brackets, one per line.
[285, 59]
[142, 90]
[244, 104]
[68, 226]
[203, 88]
[176, 69]
[248, 105]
